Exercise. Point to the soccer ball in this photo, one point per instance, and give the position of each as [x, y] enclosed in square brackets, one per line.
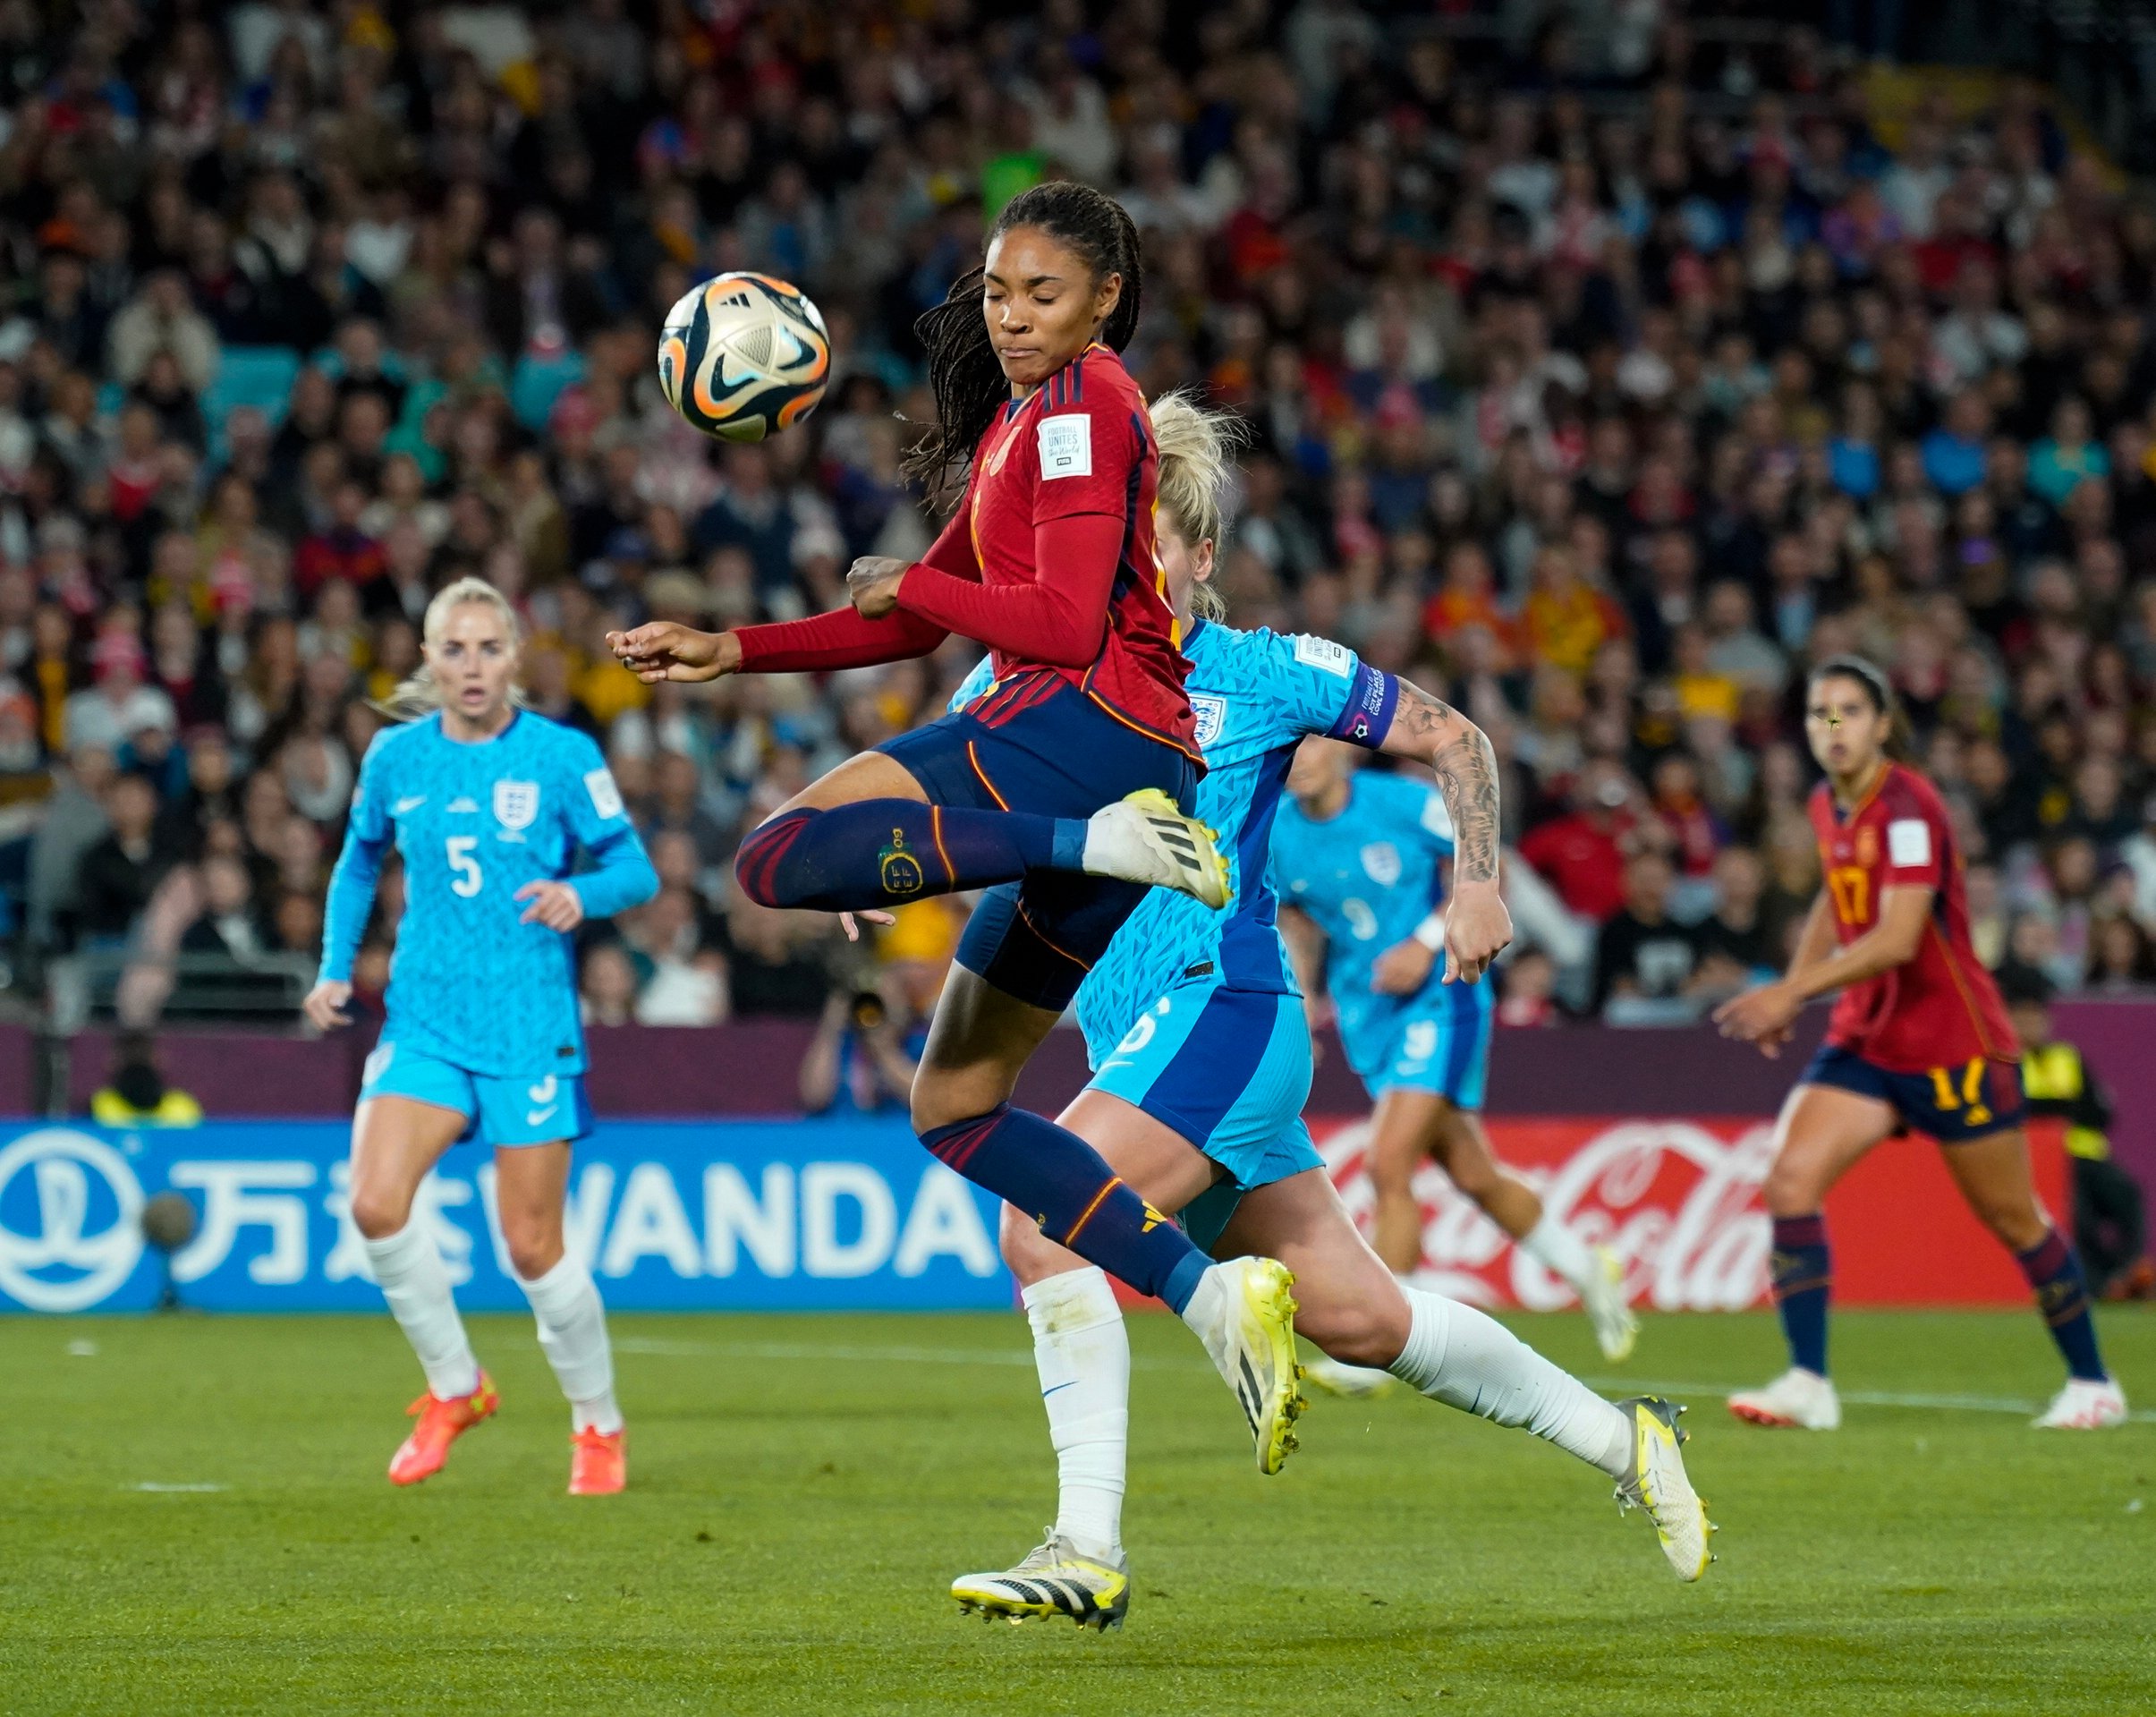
[743, 356]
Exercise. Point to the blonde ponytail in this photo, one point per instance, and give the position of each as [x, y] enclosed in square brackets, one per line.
[1196, 448]
[418, 695]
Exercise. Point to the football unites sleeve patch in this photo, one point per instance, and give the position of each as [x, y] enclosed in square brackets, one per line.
[606, 797]
[1067, 446]
[1323, 652]
[1908, 843]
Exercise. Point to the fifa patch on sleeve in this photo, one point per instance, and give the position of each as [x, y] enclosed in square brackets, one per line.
[606, 797]
[1908, 843]
[1067, 446]
[1323, 652]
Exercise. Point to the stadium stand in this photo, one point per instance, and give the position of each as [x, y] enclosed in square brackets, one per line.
[1600, 373]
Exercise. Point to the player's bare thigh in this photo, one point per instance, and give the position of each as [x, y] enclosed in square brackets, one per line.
[1819, 1137]
[395, 1142]
[980, 1040]
[1406, 1129]
[1165, 1169]
[1351, 1305]
[1995, 1180]
[530, 1183]
[871, 775]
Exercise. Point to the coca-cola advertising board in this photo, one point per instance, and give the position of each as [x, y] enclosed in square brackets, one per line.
[1678, 1201]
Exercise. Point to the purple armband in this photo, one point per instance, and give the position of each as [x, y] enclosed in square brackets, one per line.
[1368, 717]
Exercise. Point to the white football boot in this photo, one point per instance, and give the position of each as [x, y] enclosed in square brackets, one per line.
[1616, 1329]
[2085, 1406]
[1245, 1316]
[1798, 1399]
[1656, 1484]
[1146, 838]
[1054, 1580]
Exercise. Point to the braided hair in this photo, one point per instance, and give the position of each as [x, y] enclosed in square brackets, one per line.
[968, 384]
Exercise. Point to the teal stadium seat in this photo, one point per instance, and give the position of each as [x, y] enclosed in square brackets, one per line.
[261, 376]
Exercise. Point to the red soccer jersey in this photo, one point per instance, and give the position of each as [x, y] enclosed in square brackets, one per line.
[1081, 445]
[1940, 1008]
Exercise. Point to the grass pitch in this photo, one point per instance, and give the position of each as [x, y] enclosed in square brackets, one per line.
[804, 1488]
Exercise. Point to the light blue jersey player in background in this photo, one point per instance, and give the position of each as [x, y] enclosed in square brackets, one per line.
[1201, 1064]
[1358, 857]
[489, 806]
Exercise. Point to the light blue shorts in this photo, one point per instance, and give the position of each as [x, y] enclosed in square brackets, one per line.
[496, 1111]
[1229, 1070]
[1440, 1043]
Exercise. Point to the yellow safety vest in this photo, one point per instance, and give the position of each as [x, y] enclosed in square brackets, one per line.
[2054, 1075]
[108, 1107]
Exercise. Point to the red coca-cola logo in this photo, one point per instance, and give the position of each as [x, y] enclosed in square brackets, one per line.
[1677, 1200]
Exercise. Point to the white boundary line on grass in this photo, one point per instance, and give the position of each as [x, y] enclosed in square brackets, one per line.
[910, 1355]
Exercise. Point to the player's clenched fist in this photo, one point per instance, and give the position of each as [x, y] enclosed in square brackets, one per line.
[667, 651]
[1477, 928]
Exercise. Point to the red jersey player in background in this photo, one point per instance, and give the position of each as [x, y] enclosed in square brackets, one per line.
[1919, 1039]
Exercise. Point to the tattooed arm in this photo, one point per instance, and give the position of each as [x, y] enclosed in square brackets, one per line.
[1477, 927]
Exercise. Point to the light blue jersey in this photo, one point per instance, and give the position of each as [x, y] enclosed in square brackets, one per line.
[1192, 1015]
[1367, 878]
[471, 985]
[1256, 695]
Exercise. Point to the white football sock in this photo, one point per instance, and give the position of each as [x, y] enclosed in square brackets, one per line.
[1549, 1243]
[1457, 1356]
[573, 1330]
[1084, 1355]
[409, 1268]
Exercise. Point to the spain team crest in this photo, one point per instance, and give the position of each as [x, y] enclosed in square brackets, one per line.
[516, 804]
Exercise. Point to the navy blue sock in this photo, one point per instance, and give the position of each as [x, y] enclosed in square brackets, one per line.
[1060, 1181]
[2062, 1296]
[880, 852]
[1803, 1277]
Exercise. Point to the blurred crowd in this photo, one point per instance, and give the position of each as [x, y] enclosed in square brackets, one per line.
[1600, 374]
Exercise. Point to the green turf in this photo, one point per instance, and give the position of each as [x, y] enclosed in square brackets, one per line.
[804, 1488]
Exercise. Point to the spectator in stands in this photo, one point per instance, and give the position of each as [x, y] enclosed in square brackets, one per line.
[121, 870]
[1645, 960]
[1583, 854]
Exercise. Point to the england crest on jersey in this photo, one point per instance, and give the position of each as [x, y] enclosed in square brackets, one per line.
[1211, 714]
[1381, 864]
[516, 804]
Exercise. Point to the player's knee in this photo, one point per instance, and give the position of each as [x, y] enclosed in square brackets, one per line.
[378, 1212]
[2016, 1223]
[1790, 1191]
[1392, 1167]
[1353, 1329]
[1029, 1254]
[533, 1252]
[760, 865]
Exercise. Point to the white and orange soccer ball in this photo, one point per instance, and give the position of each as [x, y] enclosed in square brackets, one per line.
[743, 356]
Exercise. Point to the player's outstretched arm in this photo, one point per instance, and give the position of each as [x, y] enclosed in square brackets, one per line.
[1477, 927]
[1763, 1015]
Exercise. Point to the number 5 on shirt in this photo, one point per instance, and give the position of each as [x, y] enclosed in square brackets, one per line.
[467, 868]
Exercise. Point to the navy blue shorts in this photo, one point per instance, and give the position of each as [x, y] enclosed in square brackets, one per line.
[1043, 746]
[1972, 1099]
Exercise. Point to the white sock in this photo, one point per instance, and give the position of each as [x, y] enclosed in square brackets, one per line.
[1551, 1243]
[1457, 1356]
[573, 1330]
[1084, 1355]
[409, 1268]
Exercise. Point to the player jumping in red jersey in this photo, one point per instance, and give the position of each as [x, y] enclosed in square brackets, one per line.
[1051, 562]
[1919, 1039]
